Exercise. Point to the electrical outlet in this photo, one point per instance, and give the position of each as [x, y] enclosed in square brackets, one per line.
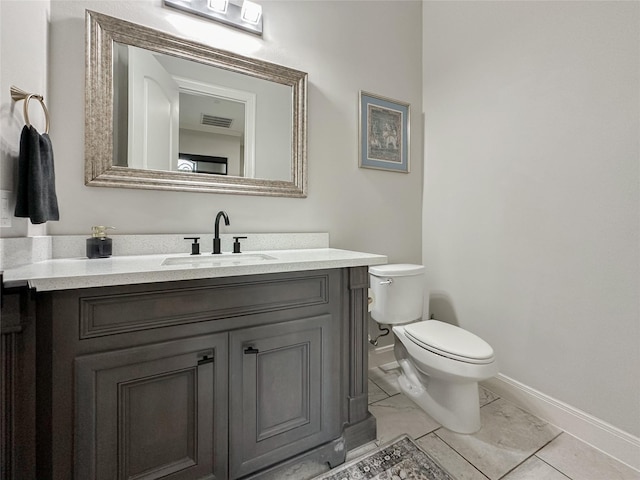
[5, 211]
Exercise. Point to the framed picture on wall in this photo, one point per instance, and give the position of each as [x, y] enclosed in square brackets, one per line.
[384, 133]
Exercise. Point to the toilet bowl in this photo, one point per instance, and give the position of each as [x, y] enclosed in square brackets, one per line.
[441, 363]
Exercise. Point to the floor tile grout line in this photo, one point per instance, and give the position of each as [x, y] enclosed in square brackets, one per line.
[383, 399]
[543, 446]
[492, 397]
[552, 466]
[516, 466]
[381, 388]
[435, 432]
[456, 452]
[534, 454]
[489, 403]
[375, 383]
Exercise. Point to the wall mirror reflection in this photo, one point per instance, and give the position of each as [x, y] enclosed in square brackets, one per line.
[164, 112]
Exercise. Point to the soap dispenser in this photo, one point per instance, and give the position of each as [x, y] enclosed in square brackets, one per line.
[99, 245]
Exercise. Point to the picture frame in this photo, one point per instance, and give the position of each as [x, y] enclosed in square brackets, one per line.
[384, 133]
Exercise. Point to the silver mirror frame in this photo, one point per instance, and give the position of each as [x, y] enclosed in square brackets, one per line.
[102, 31]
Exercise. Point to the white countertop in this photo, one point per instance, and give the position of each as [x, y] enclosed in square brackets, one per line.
[80, 272]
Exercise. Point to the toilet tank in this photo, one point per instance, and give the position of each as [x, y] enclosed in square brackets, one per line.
[397, 292]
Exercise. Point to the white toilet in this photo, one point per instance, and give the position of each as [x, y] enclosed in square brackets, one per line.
[441, 363]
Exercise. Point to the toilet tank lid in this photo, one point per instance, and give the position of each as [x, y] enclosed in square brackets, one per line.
[398, 269]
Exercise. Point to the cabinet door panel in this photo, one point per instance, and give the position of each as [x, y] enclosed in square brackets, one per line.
[156, 411]
[157, 438]
[287, 370]
[281, 374]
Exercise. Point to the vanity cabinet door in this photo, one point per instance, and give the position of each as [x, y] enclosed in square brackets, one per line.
[154, 411]
[282, 399]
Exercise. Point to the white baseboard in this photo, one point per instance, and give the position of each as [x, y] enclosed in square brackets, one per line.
[605, 437]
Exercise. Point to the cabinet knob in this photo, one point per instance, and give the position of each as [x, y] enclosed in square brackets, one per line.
[251, 350]
[205, 357]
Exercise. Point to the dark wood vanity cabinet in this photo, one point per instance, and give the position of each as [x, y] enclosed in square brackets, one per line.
[283, 400]
[154, 411]
[221, 378]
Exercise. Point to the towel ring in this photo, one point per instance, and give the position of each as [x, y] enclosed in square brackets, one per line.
[17, 95]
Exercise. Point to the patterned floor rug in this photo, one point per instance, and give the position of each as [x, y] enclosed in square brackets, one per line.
[402, 459]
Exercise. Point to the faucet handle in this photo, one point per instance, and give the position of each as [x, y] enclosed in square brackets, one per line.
[236, 244]
[195, 246]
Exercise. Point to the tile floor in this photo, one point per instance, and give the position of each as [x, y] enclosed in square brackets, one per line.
[512, 444]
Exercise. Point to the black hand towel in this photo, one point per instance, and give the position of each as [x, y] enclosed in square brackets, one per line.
[37, 198]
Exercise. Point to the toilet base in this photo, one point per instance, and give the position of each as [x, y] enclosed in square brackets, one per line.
[454, 405]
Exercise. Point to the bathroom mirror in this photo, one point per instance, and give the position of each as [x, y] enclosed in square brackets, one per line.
[167, 113]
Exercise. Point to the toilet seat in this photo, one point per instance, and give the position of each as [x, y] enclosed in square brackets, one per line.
[449, 341]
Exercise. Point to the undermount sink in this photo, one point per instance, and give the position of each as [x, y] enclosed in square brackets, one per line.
[219, 260]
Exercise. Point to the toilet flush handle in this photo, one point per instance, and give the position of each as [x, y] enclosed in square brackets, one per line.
[388, 281]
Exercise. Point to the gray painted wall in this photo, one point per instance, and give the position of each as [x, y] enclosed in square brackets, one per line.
[24, 40]
[343, 53]
[531, 208]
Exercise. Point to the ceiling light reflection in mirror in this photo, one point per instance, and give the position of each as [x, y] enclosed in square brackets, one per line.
[175, 106]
